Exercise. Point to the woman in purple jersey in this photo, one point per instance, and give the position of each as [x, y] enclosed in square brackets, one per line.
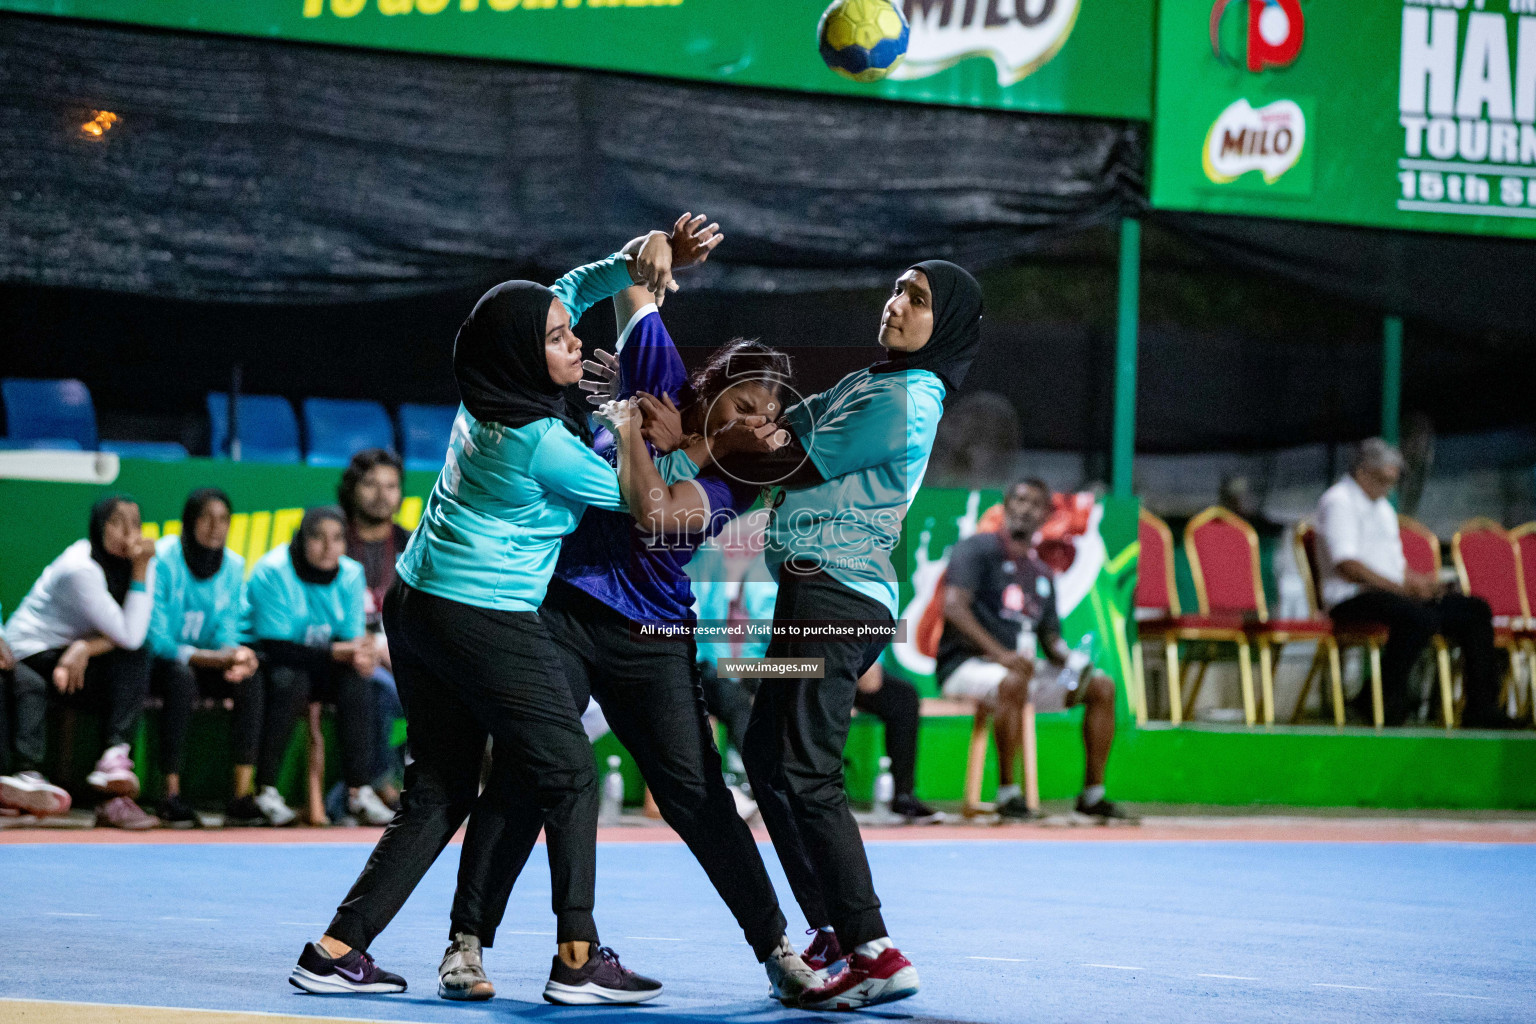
[615, 573]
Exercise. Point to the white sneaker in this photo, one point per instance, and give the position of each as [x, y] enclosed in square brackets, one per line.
[789, 976]
[368, 808]
[114, 772]
[30, 792]
[272, 806]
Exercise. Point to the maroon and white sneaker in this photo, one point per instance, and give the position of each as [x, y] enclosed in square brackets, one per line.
[114, 773]
[867, 982]
[121, 812]
[824, 955]
[29, 792]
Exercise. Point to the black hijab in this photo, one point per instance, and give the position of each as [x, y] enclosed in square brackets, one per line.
[499, 364]
[308, 527]
[956, 326]
[201, 562]
[119, 570]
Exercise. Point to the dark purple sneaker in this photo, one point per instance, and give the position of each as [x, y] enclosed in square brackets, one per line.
[356, 972]
[602, 979]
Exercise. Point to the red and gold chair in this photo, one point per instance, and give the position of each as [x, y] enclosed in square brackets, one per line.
[1488, 565]
[1223, 555]
[1524, 537]
[1327, 656]
[1158, 617]
[1421, 550]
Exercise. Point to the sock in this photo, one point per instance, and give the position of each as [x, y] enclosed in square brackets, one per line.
[1006, 793]
[1092, 795]
[873, 947]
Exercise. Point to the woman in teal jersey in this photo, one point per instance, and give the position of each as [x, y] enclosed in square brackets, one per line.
[304, 616]
[194, 640]
[472, 659]
[855, 459]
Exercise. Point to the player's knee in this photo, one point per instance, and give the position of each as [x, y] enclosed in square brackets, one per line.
[758, 754]
[182, 685]
[1013, 690]
[817, 793]
[26, 682]
[1101, 689]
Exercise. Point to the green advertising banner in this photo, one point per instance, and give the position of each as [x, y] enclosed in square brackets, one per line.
[39, 518]
[1094, 591]
[1051, 56]
[1414, 114]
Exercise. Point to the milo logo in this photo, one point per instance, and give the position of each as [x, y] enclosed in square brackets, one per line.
[1019, 35]
[1268, 139]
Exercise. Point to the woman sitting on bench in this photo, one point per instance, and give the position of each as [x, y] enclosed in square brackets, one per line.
[78, 639]
[194, 642]
[304, 617]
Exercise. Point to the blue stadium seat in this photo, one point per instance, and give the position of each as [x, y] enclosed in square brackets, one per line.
[58, 444]
[49, 409]
[159, 451]
[269, 432]
[424, 431]
[338, 428]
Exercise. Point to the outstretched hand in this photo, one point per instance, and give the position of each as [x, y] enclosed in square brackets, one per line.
[603, 384]
[693, 241]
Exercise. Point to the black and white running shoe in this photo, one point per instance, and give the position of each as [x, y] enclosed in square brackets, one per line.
[1018, 809]
[354, 973]
[914, 812]
[1105, 810]
[602, 979]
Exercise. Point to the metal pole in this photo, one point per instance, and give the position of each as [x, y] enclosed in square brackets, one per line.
[1123, 459]
[1391, 378]
[234, 411]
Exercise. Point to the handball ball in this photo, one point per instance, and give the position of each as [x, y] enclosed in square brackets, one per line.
[863, 39]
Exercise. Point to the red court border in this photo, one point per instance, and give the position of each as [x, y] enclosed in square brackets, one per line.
[1290, 830]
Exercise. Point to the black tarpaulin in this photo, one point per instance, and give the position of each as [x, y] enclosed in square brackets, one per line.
[1467, 283]
[254, 170]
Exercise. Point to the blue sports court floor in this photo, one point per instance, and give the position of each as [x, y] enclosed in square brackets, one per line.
[1001, 930]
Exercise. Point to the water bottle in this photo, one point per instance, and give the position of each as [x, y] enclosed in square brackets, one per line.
[1078, 662]
[611, 810]
[885, 789]
[1026, 643]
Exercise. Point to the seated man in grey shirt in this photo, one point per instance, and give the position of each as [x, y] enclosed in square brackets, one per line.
[1002, 647]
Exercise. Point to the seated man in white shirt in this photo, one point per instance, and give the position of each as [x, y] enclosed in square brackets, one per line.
[1366, 581]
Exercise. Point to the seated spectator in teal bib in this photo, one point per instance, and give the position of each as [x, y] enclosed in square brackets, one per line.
[194, 638]
[304, 616]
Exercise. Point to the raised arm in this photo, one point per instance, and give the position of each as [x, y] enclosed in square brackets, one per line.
[125, 625]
